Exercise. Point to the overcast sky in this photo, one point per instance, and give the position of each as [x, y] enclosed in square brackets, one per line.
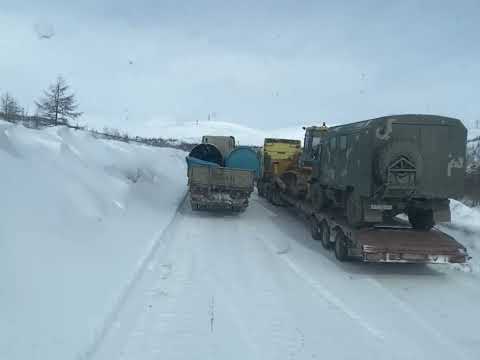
[266, 64]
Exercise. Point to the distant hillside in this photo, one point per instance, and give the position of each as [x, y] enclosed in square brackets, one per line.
[192, 132]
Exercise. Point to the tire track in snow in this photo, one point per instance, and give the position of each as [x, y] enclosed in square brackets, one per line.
[160, 305]
[143, 264]
[408, 310]
[326, 294]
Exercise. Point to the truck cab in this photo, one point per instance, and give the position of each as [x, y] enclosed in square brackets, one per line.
[313, 136]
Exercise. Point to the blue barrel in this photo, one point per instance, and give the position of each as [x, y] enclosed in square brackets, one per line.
[243, 157]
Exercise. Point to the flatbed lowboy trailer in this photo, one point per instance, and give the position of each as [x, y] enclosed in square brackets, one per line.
[386, 243]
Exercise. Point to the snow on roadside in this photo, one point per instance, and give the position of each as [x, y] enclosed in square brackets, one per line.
[465, 227]
[464, 216]
[77, 214]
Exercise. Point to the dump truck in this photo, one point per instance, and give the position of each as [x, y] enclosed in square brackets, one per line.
[212, 183]
[290, 178]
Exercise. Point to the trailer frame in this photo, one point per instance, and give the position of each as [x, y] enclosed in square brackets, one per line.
[395, 242]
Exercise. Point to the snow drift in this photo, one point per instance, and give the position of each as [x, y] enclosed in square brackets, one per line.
[78, 216]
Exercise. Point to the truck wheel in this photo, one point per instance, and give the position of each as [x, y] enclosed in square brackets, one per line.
[315, 229]
[421, 219]
[325, 235]
[260, 189]
[354, 209]
[268, 193]
[275, 197]
[341, 246]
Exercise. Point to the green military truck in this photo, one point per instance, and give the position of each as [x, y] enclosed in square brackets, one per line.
[379, 168]
[393, 165]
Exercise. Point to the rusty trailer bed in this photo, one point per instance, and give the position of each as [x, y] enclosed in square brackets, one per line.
[393, 243]
[405, 245]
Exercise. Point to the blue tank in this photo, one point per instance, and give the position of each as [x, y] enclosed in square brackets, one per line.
[243, 157]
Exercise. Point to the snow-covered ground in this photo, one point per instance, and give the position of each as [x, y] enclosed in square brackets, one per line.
[78, 217]
[97, 263]
[256, 286]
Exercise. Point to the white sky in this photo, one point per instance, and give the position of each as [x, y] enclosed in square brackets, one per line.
[265, 64]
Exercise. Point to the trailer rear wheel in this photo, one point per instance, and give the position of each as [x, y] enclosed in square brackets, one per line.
[421, 219]
[341, 246]
[261, 189]
[325, 235]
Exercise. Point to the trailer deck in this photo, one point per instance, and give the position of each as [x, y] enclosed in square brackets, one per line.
[387, 243]
[405, 245]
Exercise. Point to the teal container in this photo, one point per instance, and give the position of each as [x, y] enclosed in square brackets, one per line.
[243, 157]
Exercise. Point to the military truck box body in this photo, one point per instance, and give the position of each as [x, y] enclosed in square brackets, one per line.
[404, 155]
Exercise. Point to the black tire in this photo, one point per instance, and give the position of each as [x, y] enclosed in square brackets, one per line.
[268, 192]
[275, 197]
[315, 229]
[354, 210]
[325, 235]
[260, 189]
[421, 219]
[341, 246]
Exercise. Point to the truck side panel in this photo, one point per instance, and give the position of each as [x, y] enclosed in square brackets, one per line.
[211, 176]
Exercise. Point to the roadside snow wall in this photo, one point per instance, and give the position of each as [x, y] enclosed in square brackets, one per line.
[78, 215]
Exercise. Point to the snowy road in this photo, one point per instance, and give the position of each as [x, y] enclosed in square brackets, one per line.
[255, 286]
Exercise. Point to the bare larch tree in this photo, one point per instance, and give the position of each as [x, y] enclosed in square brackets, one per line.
[57, 105]
[9, 108]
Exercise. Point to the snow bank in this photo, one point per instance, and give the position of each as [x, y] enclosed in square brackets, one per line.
[465, 227]
[473, 133]
[77, 214]
[464, 216]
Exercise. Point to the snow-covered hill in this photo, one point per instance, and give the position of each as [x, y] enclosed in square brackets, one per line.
[192, 132]
[78, 216]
